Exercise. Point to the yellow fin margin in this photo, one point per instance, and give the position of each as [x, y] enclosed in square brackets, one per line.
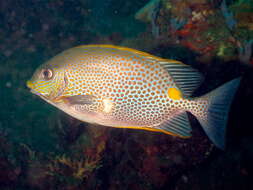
[131, 50]
[154, 130]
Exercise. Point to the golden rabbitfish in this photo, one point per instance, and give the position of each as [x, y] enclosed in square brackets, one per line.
[122, 87]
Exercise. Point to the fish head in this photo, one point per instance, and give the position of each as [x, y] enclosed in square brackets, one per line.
[48, 81]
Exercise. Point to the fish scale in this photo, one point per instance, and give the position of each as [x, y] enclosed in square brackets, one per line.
[126, 88]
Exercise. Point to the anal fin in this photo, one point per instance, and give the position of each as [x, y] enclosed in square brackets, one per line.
[177, 126]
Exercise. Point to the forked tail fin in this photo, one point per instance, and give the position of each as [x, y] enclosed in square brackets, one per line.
[214, 124]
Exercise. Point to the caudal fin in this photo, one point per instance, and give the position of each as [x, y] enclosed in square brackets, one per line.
[214, 124]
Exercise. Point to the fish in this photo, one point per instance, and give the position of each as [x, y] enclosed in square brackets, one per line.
[121, 87]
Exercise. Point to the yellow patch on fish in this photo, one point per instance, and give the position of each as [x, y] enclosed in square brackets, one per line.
[174, 94]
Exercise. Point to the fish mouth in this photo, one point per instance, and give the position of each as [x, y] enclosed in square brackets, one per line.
[43, 97]
[30, 85]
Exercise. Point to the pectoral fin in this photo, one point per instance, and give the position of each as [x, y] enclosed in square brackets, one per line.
[80, 99]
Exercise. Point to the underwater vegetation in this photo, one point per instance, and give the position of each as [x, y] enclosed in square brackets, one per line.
[24, 167]
[43, 148]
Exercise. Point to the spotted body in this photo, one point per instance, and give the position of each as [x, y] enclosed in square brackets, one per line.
[122, 87]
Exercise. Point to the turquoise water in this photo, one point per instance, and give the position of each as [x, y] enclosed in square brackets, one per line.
[43, 148]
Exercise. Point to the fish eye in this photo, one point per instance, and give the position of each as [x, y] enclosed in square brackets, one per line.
[47, 74]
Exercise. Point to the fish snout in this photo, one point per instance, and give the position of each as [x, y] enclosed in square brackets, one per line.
[29, 84]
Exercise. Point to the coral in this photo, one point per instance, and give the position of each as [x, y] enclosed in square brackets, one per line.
[202, 27]
[242, 11]
[208, 28]
[243, 30]
[79, 166]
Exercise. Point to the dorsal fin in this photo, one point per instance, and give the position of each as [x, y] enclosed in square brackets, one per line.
[178, 125]
[187, 78]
